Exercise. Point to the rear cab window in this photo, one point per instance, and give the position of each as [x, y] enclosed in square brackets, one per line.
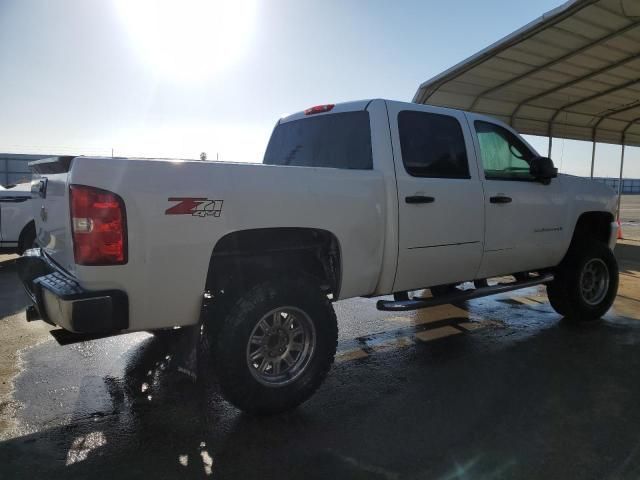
[336, 140]
[432, 145]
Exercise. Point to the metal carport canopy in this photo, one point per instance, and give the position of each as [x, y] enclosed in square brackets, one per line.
[572, 73]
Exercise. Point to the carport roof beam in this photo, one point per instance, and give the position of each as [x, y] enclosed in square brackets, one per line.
[581, 60]
[588, 76]
[568, 56]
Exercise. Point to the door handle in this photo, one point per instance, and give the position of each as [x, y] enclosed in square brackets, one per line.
[500, 199]
[419, 199]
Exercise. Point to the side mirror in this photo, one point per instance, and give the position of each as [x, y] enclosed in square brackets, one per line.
[542, 169]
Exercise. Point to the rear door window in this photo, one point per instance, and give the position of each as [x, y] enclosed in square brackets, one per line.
[337, 140]
[432, 145]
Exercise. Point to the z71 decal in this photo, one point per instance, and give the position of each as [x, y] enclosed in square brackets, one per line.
[198, 207]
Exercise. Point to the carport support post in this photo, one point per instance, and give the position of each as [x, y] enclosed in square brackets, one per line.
[550, 144]
[620, 179]
[593, 157]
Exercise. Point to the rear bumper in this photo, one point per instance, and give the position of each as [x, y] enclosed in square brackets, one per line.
[61, 301]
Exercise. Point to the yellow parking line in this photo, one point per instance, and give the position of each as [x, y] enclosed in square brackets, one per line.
[471, 326]
[432, 314]
[436, 333]
[348, 355]
[525, 301]
[630, 273]
[539, 300]
[393, 343]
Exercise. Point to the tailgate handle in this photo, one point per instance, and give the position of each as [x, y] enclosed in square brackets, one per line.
[500, 199]
[419, 199]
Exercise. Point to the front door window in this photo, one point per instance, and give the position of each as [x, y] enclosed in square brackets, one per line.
[504, 155]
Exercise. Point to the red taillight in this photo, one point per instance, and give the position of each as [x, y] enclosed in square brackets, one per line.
[319, 109]
[98, 225]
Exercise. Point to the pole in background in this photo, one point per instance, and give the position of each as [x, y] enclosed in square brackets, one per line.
[620, 179]
[550, 144]
[593, 157]
[112, 153]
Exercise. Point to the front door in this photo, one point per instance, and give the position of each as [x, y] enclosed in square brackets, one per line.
[524, 218]
[439, 197]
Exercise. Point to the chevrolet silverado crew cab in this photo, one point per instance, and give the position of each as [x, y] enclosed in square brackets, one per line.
[17, 229]
[368, 198]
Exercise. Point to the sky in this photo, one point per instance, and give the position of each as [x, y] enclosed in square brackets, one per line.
[174, 79]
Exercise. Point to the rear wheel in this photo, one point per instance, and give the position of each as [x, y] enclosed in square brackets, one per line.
[274, 345]
[586, 283]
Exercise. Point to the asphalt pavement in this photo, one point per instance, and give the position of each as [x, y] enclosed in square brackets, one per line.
[499, 387]
[630, 216]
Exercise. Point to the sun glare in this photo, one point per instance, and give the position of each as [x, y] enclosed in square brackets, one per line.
[189, 40]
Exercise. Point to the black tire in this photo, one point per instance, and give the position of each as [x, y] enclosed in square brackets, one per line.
[233, 330]
[27, 238]
[167, 334]
[566, 293]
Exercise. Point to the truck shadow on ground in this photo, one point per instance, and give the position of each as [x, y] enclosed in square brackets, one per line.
[553, 399]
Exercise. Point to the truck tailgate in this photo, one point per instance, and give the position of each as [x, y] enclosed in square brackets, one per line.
[51, 209]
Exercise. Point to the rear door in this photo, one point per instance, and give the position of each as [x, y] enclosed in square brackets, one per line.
[439, 196]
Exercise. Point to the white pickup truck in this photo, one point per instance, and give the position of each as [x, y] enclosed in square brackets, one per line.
[367, 198]
[17, 229]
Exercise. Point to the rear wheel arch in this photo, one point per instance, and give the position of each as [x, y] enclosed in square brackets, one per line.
[242, 257]
[27, 236]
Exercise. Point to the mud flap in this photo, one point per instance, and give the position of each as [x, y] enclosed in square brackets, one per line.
[185, 348]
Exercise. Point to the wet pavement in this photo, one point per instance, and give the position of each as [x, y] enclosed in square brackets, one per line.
[499, 387]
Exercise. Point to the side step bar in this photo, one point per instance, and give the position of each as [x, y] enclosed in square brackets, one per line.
[417, 303]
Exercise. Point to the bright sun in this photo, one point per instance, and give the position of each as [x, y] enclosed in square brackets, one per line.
[189, 40]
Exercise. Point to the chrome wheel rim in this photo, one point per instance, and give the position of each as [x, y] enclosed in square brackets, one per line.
[280, 346]
[594, 281]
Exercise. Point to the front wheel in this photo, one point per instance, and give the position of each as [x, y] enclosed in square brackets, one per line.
[586, 283]
[274, 345]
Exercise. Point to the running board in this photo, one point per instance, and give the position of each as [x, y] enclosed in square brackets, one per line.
[417, 303]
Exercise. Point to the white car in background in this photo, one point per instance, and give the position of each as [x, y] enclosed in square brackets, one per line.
[17, 228]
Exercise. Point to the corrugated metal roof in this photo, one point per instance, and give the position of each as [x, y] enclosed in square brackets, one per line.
[572, 73]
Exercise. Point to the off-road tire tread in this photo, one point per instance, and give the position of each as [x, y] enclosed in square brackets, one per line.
[227, 343]
[563, 292]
